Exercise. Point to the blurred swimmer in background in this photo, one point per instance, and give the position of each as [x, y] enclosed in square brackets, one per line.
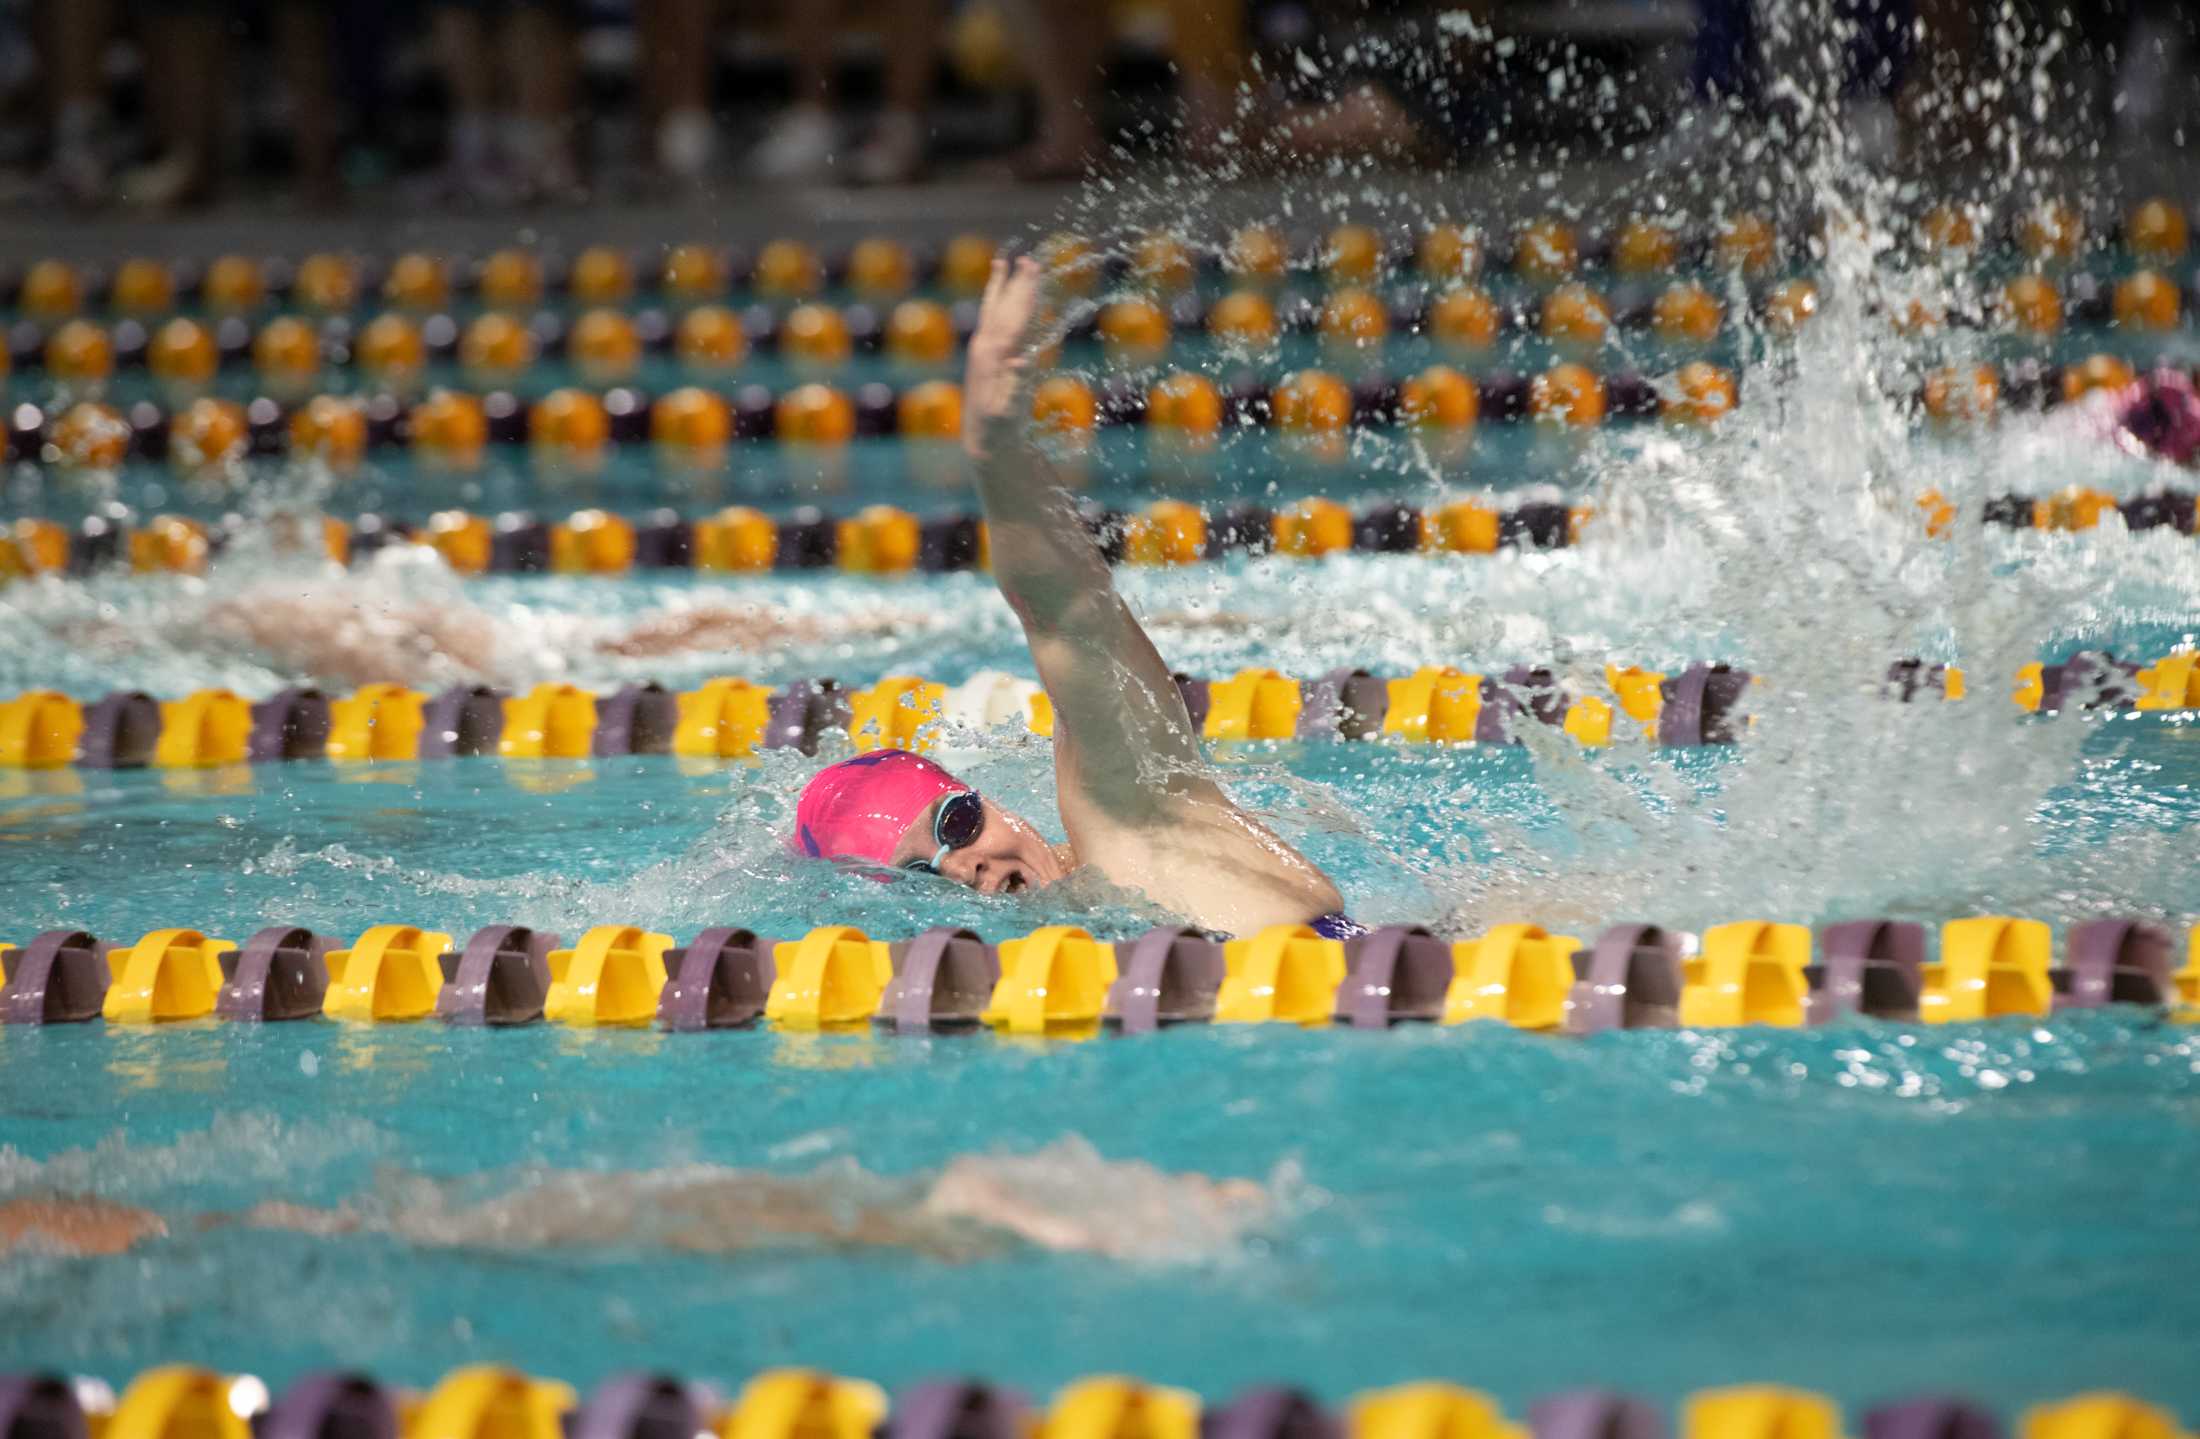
[1065, 1197]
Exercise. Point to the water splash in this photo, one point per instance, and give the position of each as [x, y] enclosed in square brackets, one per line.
[264, 617]
[243, 1147]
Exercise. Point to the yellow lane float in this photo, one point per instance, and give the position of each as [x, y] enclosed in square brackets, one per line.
[1286, 974]
[722, 719]
[1253, 704]
[1053, 979]
[832, 977]
[1747, 973]
[203, 729]
[176, 1401]
[377, 722]
[490, 1401]
[1759, 1411]
[1989, 966]
[39, 730]
[612, 977]
[1109, 1407]
[391, 972]
[894, 713]
[1516, 973]
[170, 974]
[1430, 1409]
[804, 1404]
[550, 721]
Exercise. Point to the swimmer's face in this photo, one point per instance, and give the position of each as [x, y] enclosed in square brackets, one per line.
[1008, 855]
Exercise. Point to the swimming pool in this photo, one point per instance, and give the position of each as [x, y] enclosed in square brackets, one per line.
[1869, 1209]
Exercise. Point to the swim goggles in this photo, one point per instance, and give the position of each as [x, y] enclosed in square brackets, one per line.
[956, 824]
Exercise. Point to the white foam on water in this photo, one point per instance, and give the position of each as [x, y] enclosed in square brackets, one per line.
[237, 1146]
[263, 618]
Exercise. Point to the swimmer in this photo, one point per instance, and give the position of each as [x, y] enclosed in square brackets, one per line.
[354, 635]
[1141, 807]
[344, 641]
[1065, 1198]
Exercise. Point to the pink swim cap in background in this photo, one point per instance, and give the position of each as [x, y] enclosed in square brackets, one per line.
[860, 808]
[2160, 415]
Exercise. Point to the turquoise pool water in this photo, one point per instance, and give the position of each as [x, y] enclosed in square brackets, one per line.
[2004, 1210]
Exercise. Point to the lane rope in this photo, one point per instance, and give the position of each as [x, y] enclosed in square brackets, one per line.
[1706, 703]
[1064, 982]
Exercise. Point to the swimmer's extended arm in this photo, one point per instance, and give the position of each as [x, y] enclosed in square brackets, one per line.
[1135, 792]
[1113, 696]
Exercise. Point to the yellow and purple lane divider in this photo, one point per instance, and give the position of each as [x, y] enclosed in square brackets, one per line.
[490, 1401]
[888, 540]
[573, 430]
[292, 355]
[729, 718]
[1061, 981]
[875, 540]
[2052, 234]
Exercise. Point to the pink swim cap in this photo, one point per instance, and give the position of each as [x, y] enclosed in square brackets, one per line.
[860, 808]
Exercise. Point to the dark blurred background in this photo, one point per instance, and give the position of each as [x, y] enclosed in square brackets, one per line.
[498, 105]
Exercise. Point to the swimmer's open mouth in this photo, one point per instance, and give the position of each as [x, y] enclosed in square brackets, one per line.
[1015, 884]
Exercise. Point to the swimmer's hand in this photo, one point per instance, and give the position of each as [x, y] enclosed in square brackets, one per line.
[1000, 355]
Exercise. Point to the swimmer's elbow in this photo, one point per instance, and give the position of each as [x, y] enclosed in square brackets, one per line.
[1051, 604]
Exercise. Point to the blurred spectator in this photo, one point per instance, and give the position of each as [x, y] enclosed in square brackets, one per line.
[2154, 59]
[1384, 79]
[1417, 84]
[183, 84]
[1208, 41]
[511, 135]
[1066, 46]
[1874, 39]
[1726, 62]
[73, 37]
[803, 143]
[675, 85]
[303, 44]
[186, 76]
